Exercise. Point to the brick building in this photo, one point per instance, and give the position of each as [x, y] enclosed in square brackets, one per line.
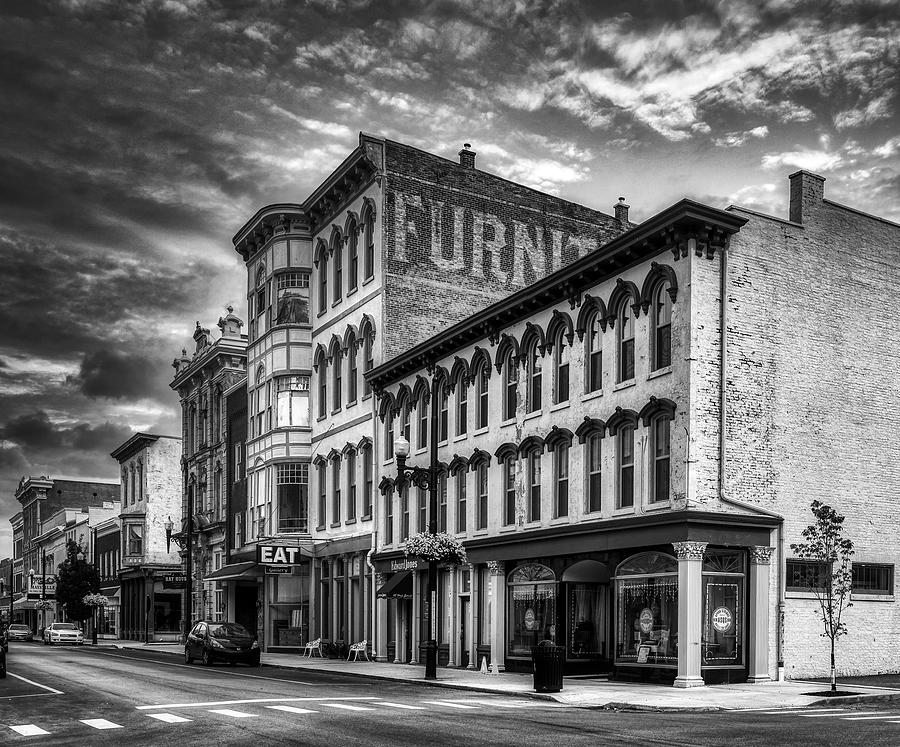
[201, 381]
[150, 607]
[394, 244]
[628, 447]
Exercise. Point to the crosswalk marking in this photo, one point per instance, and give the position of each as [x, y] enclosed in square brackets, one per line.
[291, 709]
[28, 730]
[233, 714]
[100, 723]
[499, 703]
[797, 711]
[346, 707]
[448, 704]
[169, 718]
[870, 717]
[400, 705]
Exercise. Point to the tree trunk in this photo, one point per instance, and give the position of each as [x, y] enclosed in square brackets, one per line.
[833, 682]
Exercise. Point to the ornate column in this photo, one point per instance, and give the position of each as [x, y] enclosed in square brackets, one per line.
[415, 623]
[382, 633]
[690, 612]
[473, 616]
[497, 571]
[760, 557]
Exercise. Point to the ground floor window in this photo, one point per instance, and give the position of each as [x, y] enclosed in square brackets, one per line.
[532, 608]
[289, 608]
[647, 610]
[723, 615]
[166, 611]
[585, 602]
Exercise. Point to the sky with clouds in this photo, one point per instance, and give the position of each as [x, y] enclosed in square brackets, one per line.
[137, 137]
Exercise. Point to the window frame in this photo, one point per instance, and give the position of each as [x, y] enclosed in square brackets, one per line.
[352, 257]
[509, 490]
[884, 592]
[510, 383]
[594, 477]
[461, 501]
[482, 395]
[481, 480]
[593, 354]
[624, 468]
[560, 480]
[625, 324]
[462, 406]
[657, 459]
[534, 376]
[661, 355]
[533, 473]
[562, 358]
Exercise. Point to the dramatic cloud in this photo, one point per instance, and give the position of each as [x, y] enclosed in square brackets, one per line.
[136, 138]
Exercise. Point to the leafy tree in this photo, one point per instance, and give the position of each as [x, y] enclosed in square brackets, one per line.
[75, 579]
[832, 581]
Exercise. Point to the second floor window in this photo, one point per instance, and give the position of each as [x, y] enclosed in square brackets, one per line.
[534, 364]
[422, 510]
[351, 484]
[352, 257]
[404, 512]
[561, 479]
[389, 518]
[461, 511]
[442, 502]
[509, 490]
[510, 384]
[323, 495]
[594, 473]
[135, 535]
[661, 323]
[352, 371]
[292, 494]
[291, 401]
[336, 491]
[534, 485]
[561, 368]
[482, 481]
[593, 356]
[482, 379]
[337, 366]
[661, 434]
[626, 342]
[443, 418]
[323, 281]
[337, 260]
[626, 466]
[462, 406]
[422, 429]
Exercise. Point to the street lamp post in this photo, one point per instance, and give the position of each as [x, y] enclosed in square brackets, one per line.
[426, 478]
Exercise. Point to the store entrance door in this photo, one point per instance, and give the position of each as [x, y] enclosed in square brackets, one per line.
[465, 635]
[245, 598]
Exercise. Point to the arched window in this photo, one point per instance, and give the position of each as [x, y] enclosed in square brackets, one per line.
[625, 336]
[560, 368]
[336, 366]
[389, 436]
[323, 493]
[509, 489]
[482, 379]
[351, 485]
[442, 502]
[594, 473]
[625, 438]
[533, 373]
[336, 490]
[462, 405]
[368, 359]
[561, 478]
[352, 256]
[352, 370]
[259, 301]
[660, 429]
[444, 415]
[405, 429]
[533, 472]
[389, 517]
[593, 355]
[368, 472]
[661, 326]
[531, 609]
[647, 609]
[369, 241]
[461, 511]
[404, 511]
[337, 247]
[510, 384]
[481, 477]
[323, 280]
[422, 428]
[323, 388]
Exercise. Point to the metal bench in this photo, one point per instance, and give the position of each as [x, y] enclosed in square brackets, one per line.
[356, 649]
[315, 645]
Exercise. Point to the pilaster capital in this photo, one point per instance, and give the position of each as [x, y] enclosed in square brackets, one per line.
[760, 555]
[496, 567]
[689, 550]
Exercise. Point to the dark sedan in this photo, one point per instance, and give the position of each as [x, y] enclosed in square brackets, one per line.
[221, 641]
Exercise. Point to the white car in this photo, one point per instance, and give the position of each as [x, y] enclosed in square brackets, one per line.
[63, 633]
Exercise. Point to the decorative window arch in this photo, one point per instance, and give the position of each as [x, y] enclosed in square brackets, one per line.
[659, 275]
[321, 263]
[592, 321]
[531, 573]
[351, 231]
[590, 427]
[368, 220]
[337, 259]
[660, 327]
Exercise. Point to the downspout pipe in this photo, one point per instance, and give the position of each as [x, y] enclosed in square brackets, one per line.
[723, 452]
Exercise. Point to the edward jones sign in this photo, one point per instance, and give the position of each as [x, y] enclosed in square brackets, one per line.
[278, 554]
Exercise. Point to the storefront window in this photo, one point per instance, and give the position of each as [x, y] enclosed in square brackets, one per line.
[647, 610]
[587, 589]
[723, 608]
[532, 608]
[289, 610]
[166, 610]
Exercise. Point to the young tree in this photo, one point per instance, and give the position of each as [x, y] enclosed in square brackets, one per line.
[75, 579]
[832, 580]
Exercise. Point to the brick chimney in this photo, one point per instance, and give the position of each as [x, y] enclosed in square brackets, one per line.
[621, 211]
[467, 157]
[807, 194]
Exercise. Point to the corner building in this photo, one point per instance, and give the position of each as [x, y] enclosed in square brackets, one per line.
[628, 446]
[393, 246]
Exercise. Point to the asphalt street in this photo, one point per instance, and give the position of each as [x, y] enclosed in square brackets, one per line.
[107, 696]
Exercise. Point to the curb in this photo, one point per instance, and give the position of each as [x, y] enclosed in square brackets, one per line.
[861, 698]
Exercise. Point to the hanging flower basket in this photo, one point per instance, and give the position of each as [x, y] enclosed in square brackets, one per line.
[441, 547]
[95, 600]
[43, 604]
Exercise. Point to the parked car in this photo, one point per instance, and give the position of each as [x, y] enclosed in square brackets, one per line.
[63, 633]
[19, 632]
[221, 641]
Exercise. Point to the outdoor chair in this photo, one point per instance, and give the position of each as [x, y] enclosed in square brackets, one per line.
[315, 645]
[356, 649]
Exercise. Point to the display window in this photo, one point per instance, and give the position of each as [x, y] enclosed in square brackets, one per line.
[532, 591]
[647, 610]
[586, 585]
[289, 608]
[724, 579]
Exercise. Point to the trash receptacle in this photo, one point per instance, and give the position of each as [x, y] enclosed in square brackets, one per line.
[548, 667]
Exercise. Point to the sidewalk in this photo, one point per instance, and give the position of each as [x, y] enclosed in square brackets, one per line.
[585, 693]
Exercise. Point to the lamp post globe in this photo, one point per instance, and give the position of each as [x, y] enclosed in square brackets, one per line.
[401, 447]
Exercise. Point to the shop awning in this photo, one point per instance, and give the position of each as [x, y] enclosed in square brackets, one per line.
[234, 570]
[399, 585]
[24, 604]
